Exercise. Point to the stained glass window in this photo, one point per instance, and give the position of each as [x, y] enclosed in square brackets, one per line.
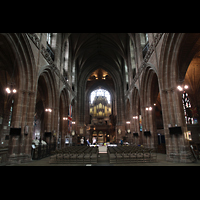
[186, 108]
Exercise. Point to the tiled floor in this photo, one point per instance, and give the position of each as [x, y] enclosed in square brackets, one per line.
[103, 161]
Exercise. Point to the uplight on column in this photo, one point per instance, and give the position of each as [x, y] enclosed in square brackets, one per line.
[48, 110]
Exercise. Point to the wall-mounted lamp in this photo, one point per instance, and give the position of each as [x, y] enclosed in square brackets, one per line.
[180, 88]
[8, 90]
[149, 108]
[48, 110]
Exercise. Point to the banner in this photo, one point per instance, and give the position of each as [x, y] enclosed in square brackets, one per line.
[70, 119]
[140, 122]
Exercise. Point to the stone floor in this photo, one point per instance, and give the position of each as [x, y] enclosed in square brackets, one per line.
[103, 161]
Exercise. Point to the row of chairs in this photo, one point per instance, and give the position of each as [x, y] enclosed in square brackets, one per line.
[75, 154]
[130, 154]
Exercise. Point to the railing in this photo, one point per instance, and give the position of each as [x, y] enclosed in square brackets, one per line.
[3, 156]
[50, 51]
[42, 151]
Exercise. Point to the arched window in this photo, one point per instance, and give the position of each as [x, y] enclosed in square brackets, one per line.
[132, 54]
[66, 55]
[144, 43]
[126, 75]
[51, 44]
[49, 38]
[100, 92]
[187, 108]
[66, 60]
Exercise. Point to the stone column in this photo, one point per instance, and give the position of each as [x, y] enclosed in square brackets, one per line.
[176, 145]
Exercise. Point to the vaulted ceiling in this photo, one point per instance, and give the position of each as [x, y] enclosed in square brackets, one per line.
[99, 49]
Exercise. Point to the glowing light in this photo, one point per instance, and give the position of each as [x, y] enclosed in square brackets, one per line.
[8, 90]
[179, 88]
[48, 110]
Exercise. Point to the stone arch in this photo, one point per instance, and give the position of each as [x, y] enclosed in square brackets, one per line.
[173, 67]
[47, 93]
[17, 66]
[145, 89]
[148, 92]
[117, 79]
[87, 96]
[135, 115]
[63, 114]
